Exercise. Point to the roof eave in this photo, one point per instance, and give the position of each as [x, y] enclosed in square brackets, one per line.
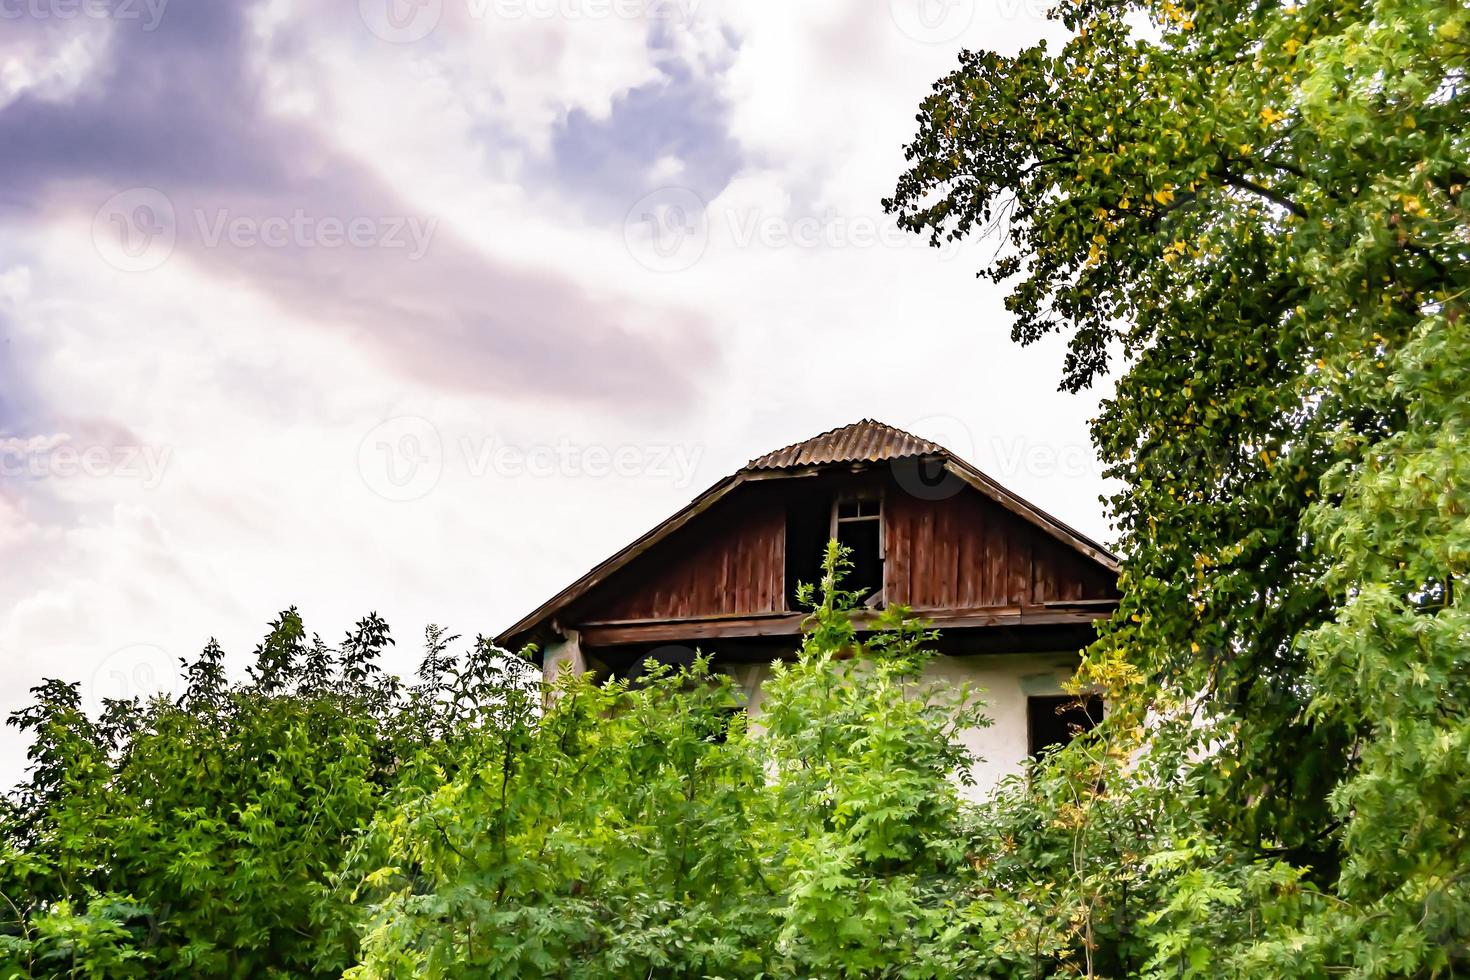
[971, 475]
[600, 572]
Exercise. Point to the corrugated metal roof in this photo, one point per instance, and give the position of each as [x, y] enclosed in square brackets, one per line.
[867, 441]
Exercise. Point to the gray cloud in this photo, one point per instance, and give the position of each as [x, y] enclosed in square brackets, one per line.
[268, 203]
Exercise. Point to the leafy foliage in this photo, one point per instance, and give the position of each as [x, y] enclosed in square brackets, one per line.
[321, 815]
[201, 837]
[644, 829]
[1253, 217]
[1258, 210]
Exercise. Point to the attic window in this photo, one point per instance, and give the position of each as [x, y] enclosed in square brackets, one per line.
[855, 520]
[857, 523]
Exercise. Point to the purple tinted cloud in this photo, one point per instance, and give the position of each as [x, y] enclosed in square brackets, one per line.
[608, 161]
[16, 396]
[266, 202]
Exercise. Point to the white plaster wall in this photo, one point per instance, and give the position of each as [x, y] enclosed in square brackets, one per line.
[559, 653]
[1003, 681]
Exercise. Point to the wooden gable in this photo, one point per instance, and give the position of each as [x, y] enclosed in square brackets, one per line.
[965, 551]
[961, 552]
[729, 561]
[975, 555]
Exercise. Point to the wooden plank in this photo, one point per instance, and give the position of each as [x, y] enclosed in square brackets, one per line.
[965, 551]
[896, 589]
[776, 569]
[941, 570]
[996, 556]
[789, 624]
[1040, 616]
[924, 586]
[736, 566]
[1018, 564]
[668, 631]
[604, 570]
[1044, 571]
[1033, 515]
[955, 560]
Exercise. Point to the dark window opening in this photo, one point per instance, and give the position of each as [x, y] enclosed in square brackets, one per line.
[858, 524]
[1055, 720]
[808, 528]
[814, 519]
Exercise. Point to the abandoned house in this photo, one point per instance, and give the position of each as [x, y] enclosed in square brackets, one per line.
[1014, 591]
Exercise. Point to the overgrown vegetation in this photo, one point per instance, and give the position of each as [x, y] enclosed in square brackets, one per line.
[319, 817]
[1253, 216]
[203, 837]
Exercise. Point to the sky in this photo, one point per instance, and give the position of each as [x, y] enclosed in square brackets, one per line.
[424, 307]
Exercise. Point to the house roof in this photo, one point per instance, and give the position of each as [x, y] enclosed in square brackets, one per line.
[865, 441]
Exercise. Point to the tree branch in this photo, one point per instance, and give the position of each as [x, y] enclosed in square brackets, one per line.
[1266, 192]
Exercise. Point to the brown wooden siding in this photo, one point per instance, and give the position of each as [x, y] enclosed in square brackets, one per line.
[966, 551]
[963, 552]
[730, 561]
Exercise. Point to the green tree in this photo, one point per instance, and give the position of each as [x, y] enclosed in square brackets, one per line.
[203, 837]
[866, 774]
[1253, 217]
[644, 829]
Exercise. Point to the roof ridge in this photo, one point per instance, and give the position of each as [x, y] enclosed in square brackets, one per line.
[793, 445]
[766, 460]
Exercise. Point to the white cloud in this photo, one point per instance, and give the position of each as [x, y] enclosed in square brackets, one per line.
[827, 90]
[821, 318]
[50, 60]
